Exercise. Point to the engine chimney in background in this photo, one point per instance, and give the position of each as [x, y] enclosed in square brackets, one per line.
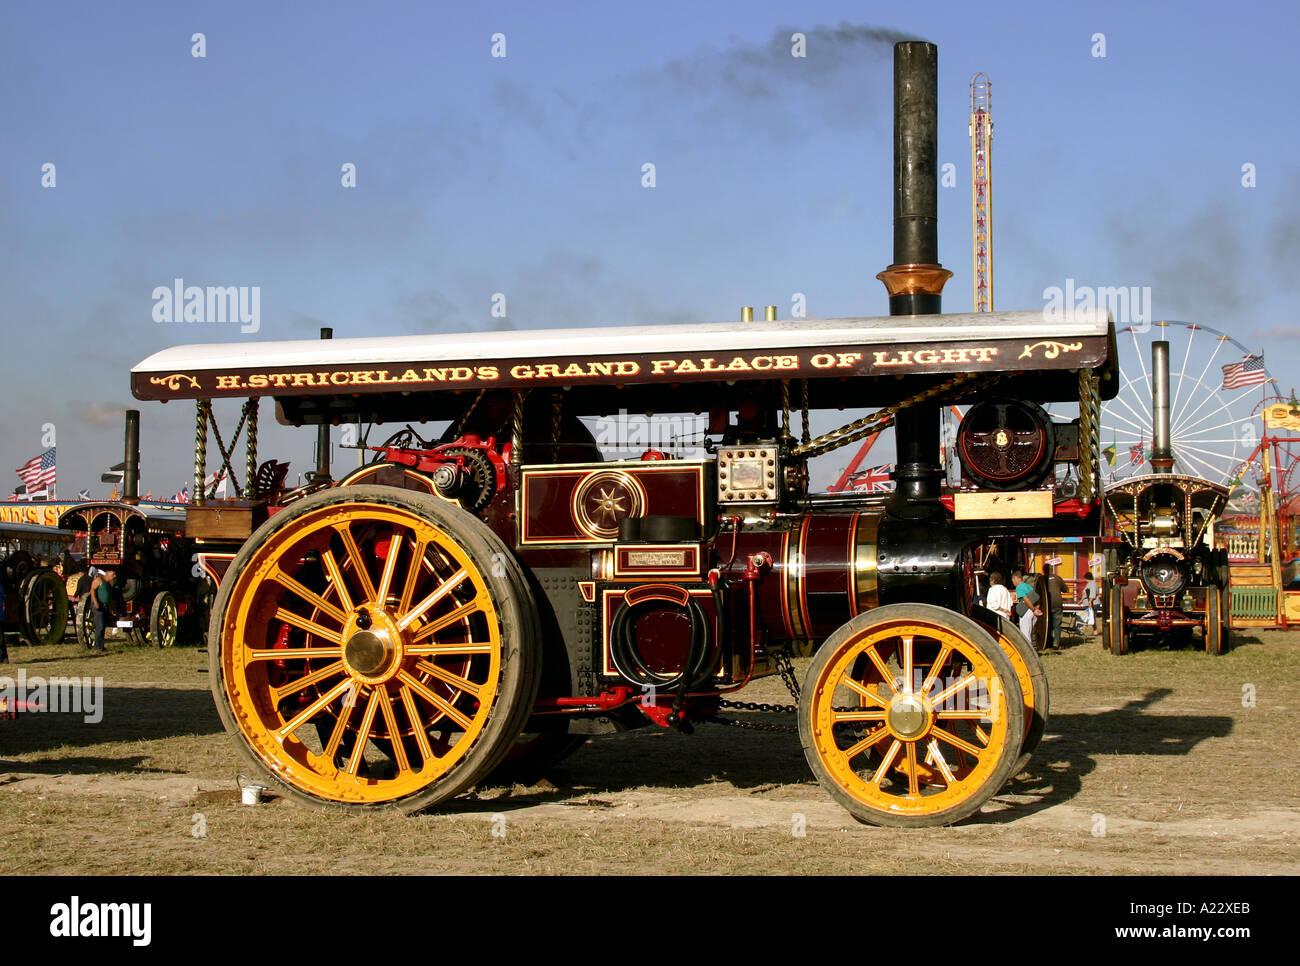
[1162, 453]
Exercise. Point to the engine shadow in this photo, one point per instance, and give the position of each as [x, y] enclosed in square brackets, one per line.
[1075, 741]
[757, 761]
[115, 714]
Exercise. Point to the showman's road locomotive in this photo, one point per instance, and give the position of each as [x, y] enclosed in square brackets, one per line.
[500, 592]
[1165, 578]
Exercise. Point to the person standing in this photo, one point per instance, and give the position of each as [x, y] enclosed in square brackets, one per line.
[1027, 610]
[1091, 593]
[999, 597]
[101, 604]
[1055, 601]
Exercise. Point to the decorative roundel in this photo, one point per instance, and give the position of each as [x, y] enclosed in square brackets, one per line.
[1005, 443]
[1164, 573]
[604, 498]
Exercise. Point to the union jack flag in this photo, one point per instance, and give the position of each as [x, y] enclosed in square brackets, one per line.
[874, 479]
[1247, 373]
[183, 496]
[38, 473]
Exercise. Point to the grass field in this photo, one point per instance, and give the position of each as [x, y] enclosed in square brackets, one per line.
[1159, 762]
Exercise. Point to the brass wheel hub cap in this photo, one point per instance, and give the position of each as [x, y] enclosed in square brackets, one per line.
[373, 655]
[907, 717]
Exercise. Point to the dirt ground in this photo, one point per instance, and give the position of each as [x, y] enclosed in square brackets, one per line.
[1160, 762]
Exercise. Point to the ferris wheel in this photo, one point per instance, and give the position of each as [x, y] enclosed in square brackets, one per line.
[1213, 430]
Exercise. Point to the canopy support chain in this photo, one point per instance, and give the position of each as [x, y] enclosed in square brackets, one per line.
[807, 434]
[1089, 435]
[202, 410]
[882, 418]
[250, 444]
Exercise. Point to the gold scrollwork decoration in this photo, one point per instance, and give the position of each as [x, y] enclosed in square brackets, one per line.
[173, 382]
[1054, 349]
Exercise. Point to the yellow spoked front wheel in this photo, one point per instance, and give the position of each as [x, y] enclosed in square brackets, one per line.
[911, 715]
[374, 647]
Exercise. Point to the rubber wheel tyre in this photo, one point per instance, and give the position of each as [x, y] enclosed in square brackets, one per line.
[1216, 633]
[1104, 617]
[45, 608]
[532, 756]
[397, 620]
[1115, 621]
[164, 618]
[83, 621]
[942, 756]
[1030, 675]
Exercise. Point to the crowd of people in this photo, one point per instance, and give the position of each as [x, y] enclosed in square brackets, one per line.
[1019, 601]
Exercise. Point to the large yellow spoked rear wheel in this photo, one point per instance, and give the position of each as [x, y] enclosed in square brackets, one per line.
[373, 647]
[911, 715]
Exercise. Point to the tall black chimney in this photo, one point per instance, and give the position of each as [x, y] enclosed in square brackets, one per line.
[915, 281]
[131, 471]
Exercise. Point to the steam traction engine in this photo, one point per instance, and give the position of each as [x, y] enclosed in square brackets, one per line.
[1165, 579]
[501, 591]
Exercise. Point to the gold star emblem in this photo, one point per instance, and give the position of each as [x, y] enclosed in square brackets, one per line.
[609, 503]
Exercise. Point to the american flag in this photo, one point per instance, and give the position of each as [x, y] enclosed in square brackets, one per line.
[38, 473]
[874, 479]
[1248, 373]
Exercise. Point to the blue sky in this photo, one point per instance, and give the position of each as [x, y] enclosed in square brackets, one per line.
[522, 175]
